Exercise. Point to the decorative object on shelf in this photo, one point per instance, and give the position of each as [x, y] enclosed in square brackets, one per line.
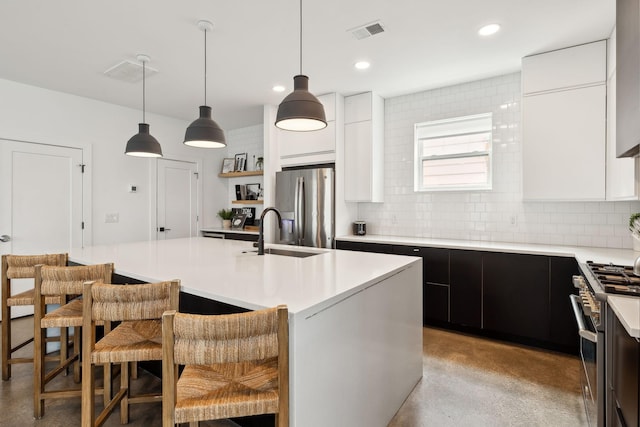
[259, 163]
[143, 144]
[249, 212]
[252, 191]
[228, 165]
[240, 162]
[237, 222]
[634, 227]
[204, 132]
[226, 215]
[300, 110]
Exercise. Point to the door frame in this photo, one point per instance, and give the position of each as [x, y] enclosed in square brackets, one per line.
[153, 194]
[87, 161]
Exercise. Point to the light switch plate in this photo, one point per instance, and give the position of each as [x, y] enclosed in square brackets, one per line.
[112, 217]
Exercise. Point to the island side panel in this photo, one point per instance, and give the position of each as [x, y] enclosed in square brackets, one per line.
[355, 362]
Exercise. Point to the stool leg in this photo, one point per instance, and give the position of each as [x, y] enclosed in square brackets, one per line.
[38, 369]
[6, 340]
[77, 332]
[125, 382]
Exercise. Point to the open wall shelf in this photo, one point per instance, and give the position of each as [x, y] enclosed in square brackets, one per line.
[239, 174]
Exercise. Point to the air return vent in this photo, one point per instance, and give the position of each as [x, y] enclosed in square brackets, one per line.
[367, 30]
[129, 71]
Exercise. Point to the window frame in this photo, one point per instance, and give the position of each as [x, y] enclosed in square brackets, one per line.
[419, 158]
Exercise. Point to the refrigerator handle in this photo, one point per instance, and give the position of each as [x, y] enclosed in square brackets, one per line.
[299, 215]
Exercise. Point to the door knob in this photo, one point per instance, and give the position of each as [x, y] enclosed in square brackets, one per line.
[5, 238]
[162, 229]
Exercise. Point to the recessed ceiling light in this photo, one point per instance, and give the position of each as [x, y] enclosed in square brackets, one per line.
[278, 88]
[362, 65]
[487, 30]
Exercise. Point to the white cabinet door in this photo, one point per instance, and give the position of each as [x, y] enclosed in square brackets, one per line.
[364, 148]
[357, 108]
[574, 66]
[564, 145]
[298, 147]
[358, 162]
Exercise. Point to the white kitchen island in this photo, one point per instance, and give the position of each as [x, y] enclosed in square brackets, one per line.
[355, 319]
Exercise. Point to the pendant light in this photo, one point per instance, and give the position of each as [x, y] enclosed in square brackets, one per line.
[143, 144]
[204, 132]
[300, 110]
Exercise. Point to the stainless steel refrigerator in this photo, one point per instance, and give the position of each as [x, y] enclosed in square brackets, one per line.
[305, 199]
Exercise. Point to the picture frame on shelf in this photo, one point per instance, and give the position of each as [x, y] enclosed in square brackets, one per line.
[228, 165]
[250, 212]
[252, 191]
[238, 220]
[240, 162]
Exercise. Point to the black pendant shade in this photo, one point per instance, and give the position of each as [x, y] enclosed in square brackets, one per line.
[300, 110]
[204, 132]
[143, 144]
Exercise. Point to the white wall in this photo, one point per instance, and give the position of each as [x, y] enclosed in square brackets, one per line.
[497, 215]
[33, 114]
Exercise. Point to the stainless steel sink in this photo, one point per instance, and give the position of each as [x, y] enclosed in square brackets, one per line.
[285, 252]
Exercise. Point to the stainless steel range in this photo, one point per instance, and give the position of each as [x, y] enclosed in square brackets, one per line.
[590, 309]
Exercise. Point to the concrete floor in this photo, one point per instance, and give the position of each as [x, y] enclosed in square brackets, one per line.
[467, 381]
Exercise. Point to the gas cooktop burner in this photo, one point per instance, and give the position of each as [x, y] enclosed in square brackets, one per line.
[618, 279]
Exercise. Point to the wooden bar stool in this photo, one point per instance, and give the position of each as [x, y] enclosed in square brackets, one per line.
[235, 365]
[138, 337]
[20, 267]
[65, 283]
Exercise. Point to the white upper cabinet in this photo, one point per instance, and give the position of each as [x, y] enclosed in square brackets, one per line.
[565, 68]
[564, 124]
[364, 148]
[302, 148]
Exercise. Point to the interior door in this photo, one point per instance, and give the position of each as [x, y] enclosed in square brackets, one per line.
[41, 209]
[177, 209]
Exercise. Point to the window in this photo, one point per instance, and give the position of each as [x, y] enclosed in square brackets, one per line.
[453, 154]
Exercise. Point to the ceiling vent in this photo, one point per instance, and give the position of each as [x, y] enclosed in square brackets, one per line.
[367, 30]
[129, 71]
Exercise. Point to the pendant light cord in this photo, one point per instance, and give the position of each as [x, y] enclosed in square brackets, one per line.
[300, 36]
[143, 91]
[205, 66]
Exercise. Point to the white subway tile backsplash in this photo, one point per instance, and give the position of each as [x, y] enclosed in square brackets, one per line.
[486, 215]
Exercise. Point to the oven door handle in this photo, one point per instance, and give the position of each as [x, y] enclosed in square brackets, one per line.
[582, 330]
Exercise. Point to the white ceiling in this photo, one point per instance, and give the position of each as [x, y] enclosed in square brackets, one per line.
[66, 45]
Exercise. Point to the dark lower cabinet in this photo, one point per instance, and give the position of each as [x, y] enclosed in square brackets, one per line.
[626, 367]
[435, 303]
[231, 235]
[518, 297]
[466, 288]
[516, 294]
[562, 322]
[381, 248]
[435, 281]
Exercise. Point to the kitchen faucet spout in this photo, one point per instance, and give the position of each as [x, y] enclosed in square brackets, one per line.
[261, 227]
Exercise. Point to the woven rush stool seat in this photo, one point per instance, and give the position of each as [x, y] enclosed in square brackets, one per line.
[21, 267]
[234, 366]
[65, 283]
[138, 337]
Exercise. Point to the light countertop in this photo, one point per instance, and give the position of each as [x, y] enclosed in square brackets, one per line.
[626, 308]
[582, 254]
[219, 269]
